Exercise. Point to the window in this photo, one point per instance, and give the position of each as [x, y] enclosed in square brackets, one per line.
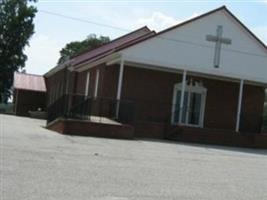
[194, 104]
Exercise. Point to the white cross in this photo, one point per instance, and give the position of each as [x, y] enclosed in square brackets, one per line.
[219, 40]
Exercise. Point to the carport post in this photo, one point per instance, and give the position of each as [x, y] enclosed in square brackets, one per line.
[16, 103]
[182, 97]
[240, 97]
[119, 88]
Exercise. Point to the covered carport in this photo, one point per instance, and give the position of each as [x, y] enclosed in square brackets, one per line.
[29, 93]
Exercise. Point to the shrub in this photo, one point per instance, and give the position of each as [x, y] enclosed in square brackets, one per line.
[6, 108]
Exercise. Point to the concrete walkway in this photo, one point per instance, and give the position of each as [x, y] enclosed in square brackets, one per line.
[40, 164]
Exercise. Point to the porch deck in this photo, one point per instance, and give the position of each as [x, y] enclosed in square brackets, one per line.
[96, 126]
[80, 115]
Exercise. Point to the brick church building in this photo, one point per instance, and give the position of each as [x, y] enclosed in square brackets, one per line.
[201, 80]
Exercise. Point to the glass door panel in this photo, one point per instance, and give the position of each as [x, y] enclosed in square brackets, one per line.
[194, 108]
[185, 107]
[177, 107]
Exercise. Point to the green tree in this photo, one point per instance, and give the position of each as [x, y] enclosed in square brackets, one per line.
[77, 47]
[16, 28]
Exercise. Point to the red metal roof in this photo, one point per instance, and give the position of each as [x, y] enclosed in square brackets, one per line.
[32, 82]
[112, 45]
[105, 49]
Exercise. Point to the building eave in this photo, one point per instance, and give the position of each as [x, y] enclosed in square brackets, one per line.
[87, 65]
[56, 69]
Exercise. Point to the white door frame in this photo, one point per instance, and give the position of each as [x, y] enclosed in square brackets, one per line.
[190, 88]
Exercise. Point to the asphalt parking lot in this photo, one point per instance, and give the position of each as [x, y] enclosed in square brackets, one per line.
[40, 164]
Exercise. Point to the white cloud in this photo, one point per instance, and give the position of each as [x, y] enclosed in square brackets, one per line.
[42, 53]
[159, 21]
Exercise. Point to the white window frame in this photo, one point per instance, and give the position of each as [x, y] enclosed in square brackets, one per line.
[190, 88]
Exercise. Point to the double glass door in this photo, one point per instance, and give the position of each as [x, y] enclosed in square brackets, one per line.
[193, 107]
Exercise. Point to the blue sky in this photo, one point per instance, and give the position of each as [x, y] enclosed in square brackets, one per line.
[53, 32]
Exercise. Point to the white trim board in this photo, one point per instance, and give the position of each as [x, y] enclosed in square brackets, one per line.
[214, 72]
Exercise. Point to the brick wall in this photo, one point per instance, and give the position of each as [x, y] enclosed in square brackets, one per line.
[152, 93]
[221, 137]
[252, 108]
[87, 128]
[55, 85]
[156, 89]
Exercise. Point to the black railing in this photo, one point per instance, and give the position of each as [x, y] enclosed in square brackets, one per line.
[62, 106]
[58, 108]
[82, 107]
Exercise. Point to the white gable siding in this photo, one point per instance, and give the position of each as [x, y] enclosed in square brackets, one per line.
[182, 55]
